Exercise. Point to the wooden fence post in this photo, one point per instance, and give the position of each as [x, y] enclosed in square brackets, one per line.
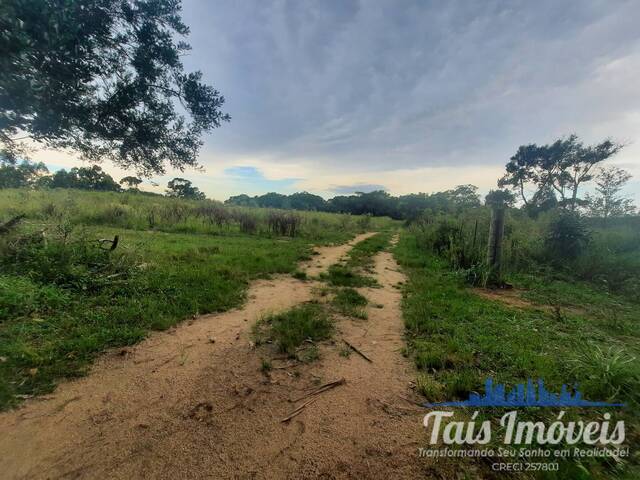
[494, 249]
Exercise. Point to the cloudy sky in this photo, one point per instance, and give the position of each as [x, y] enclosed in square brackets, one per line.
[338, 96]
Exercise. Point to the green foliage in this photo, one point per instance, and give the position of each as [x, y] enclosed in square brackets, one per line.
[350, 303]
[130, 182]
[377, 203]
[84, 178]
[457, 339]
[566, 238]
[343, 276]
[140, 211]
[360, 258]
[182, 188]
[290, 329]
[500, 198]
[24, 174]
[559, 169]
[610, 372]
[608, 201]
[104, 78]
[63, 299]
[556, 243]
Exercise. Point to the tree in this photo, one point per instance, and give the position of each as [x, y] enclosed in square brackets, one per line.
[464, 196]
[242, 200]
[84, 178]
[499, 198]
[608, 202]
[307, 201]
[183, 188]
[131, 182]
[102, 77]
[559, 169]
[24, 174]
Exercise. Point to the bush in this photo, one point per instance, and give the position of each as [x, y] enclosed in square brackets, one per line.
[284, 224]
[567, 237]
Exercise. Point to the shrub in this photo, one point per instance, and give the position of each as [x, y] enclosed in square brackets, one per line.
[566, 238]
[284, 224]
[247, 222]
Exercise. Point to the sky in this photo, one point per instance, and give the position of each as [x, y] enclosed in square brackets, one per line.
[334, 97]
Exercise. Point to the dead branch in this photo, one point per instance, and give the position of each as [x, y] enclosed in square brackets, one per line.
[322, 388]
[357, 351]
[298, 410]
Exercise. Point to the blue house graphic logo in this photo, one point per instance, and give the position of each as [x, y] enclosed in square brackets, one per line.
[524, 396]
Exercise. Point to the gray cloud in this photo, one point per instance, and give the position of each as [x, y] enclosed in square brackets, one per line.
[358, 187]
[378, 85]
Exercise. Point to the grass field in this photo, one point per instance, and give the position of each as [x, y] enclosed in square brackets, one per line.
[65, 296]
[63, 299]
[571, 332]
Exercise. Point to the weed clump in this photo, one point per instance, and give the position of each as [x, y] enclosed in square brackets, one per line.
[290, 329]
[350, 303]
[343, 276]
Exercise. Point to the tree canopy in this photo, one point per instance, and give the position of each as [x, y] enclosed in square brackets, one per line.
[104, 78]
[608, 201]
[23, 174]
[555, 171]
[183, 188]
[84, 178]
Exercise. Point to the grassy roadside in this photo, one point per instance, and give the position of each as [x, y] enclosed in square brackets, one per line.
[61, 304]
[457, 339]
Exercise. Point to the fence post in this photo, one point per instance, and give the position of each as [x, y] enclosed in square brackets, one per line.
[494, 249]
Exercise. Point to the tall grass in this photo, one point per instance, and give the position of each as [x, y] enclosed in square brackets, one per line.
[138, 211]
[547, 246]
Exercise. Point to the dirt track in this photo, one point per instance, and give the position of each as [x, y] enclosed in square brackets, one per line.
[192, 402]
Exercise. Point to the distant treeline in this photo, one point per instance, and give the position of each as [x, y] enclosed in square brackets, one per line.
[376, 203]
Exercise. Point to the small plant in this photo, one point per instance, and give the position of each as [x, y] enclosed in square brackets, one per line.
[345, 351]
[427, 386]
[290, 329]
[309, 354]
[610, 374]
[343, 276]
[266, 366]
[349, 302]
[300, 275]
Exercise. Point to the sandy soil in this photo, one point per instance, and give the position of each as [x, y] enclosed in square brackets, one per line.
[192, 402]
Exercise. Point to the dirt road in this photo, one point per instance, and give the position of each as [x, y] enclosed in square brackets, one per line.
[192, 402]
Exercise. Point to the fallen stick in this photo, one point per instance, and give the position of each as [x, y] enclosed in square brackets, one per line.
[322, 388]
[357, 351]
[298, 410]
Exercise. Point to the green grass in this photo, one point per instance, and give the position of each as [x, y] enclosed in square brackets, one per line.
[349, 302]
[290, 329]
[58, 328]
[361, 255]
[458, 339]
[63, 300]
[343, 276]
[360, 259]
